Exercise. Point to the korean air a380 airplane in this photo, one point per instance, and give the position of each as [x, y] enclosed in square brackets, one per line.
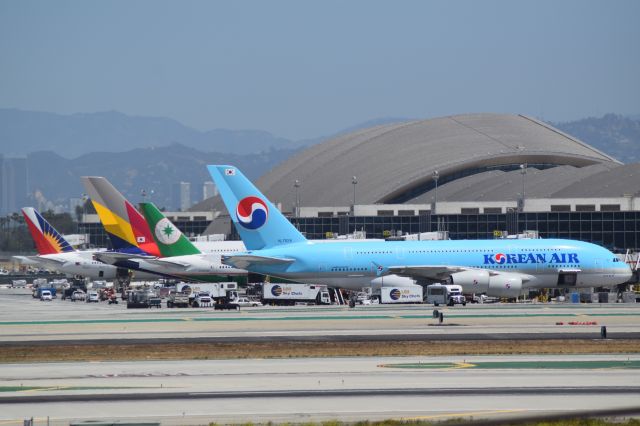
[502, 268]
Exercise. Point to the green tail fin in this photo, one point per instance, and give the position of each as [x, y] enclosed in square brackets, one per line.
[170, 240]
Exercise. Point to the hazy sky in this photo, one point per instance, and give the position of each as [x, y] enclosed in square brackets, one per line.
[304, 69]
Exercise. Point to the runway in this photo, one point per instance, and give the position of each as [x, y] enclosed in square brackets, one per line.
[261, 390]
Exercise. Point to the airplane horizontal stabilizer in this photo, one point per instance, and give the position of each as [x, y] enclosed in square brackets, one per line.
[243, 260]
[111, 257]
[27, 260]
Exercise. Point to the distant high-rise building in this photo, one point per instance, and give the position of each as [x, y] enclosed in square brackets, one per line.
[13, 185]
[181, 195]
[209, 190]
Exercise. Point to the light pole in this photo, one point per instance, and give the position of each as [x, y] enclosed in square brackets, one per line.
[296, 185]
[354, 182]
[144, 194]
[523, 172]
[85, 198]
[435, 177]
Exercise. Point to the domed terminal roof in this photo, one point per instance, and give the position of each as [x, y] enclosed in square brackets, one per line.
[395, 163]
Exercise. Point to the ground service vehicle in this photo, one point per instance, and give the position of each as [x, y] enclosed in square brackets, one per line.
[37, 293]
[219, 292]
[45, 295]
[457, 299]
[290, 294]
[78, 295]
[142, 299]
[93, 296]
[202, 300]
[224, 304]
[410, 294]
[441, 294]
[177, 300]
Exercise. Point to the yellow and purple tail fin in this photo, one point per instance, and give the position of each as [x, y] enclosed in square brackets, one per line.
[48, 240]
[126, 227]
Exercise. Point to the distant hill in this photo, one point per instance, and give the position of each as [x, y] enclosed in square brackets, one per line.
[138, 153]
[24, 132]
[156, 169]
[617, 135]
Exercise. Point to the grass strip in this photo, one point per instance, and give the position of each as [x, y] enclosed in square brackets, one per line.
[300, 349]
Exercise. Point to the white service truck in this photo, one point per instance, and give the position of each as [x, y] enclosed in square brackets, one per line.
[217, 291]
[290, 294]
[445, 294]
[408, 294]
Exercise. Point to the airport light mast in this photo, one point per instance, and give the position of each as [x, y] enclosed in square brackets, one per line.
[296, 185]
[523, 172]
[354, 182]
[435, 177]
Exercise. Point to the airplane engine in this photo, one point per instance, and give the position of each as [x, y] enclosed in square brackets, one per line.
[503, 284]
[392, 281]
[476, 281]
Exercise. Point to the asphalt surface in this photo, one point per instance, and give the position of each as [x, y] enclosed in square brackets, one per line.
[262, 390]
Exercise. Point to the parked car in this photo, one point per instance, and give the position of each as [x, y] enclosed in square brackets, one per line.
[245, 301]
[93, 296]
[78, 295]
[46, 295]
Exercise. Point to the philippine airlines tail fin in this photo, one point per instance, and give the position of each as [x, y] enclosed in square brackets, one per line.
[259, 223]
[47, 239]
[126, 227]
[170, 240]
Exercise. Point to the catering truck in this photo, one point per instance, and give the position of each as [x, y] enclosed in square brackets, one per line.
[223, 294]
[290, 294]
[408, 294]
[217, 291]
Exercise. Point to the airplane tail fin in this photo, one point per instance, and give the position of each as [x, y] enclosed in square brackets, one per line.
[259, 223]
[47, 239]
[126, 227]
[170, 240]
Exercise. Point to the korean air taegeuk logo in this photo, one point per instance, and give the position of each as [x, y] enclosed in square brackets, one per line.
[252, 212]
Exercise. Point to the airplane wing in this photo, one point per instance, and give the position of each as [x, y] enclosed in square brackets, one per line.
[52, 262]
[432, 272]
[243, 260]
[438, 272]
[112, 257]
[167, 263]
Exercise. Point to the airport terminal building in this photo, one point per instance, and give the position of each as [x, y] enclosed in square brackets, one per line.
[475, 176]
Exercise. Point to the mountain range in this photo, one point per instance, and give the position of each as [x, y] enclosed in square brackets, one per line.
[73, 135]
[152, 153]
